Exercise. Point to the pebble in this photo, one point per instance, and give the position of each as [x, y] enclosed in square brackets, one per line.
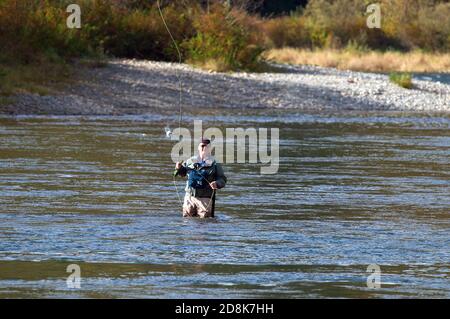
[139, 86]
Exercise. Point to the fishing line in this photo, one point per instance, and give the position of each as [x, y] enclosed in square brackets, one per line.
[167, 129]
[179, 61]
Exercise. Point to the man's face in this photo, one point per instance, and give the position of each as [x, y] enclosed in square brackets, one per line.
[203, 150]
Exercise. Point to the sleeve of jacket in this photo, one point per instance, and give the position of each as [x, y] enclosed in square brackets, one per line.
[182, 171]
[221, 179]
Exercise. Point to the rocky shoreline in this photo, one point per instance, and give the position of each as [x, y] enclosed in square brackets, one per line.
[140, 87]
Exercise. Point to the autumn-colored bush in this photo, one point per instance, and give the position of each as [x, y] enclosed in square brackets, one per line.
[420, 24]
[336, 24]
[288, 31]
[224, 40]
[124, 28]
[227, 37]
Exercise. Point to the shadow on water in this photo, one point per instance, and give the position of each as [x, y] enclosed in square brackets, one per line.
[113, 280]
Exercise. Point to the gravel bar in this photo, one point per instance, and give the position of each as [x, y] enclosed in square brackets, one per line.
[127, 86]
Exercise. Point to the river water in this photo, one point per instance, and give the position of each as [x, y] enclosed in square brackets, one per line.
[352, 190]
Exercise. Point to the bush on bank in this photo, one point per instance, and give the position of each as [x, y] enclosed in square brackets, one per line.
[31, 30]
[215, 36]
[335, 24]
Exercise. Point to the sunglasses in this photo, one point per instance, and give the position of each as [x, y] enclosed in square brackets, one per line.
[203, 145]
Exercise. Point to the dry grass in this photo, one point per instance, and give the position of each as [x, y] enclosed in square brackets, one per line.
[35, 78]
[371, 61]
[213, 65]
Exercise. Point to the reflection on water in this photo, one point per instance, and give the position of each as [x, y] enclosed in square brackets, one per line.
[351, 191]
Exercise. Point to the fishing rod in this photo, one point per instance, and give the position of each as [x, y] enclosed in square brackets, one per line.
[167, 129]
[180, 59]
[168, 132]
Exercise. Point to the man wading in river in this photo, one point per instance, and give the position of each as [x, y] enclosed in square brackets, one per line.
[205, 176]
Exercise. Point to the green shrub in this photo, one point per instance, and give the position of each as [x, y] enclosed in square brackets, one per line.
[224, 40]
[402, 79]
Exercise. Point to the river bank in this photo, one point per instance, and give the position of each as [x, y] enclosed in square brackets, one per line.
[126, 86]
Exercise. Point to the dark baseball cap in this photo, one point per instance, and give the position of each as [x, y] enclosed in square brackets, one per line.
[205, 141]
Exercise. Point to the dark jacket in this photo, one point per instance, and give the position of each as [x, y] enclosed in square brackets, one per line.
[214, 173]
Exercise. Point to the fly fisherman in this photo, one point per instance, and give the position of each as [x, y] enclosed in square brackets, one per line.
[205, 176]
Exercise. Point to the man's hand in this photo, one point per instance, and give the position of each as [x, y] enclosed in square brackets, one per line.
[213, 185]
[178, 165]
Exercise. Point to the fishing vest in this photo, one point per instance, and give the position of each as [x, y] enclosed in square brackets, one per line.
[198, 175]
